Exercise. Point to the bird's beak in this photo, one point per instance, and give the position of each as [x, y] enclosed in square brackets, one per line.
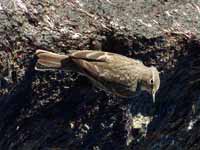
[154, 97]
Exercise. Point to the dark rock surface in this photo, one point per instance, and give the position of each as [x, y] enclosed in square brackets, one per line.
[55, 110]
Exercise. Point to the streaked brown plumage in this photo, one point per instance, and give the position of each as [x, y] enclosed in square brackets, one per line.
[112, 72]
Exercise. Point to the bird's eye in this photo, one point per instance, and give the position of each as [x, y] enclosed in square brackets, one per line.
[151, 81]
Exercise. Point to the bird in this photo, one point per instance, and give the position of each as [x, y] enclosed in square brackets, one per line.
[117, 74]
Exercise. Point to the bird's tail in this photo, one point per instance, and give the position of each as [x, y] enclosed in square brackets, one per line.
[48, 60]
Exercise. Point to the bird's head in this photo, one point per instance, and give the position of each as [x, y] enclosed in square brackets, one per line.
[151, 82]
[154, 82]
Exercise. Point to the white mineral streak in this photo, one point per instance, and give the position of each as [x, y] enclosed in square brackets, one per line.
[141, 122]
[143, 23]
[168, 13]
[197, 8]
[19, 4]
[76, 36]
[192, 123]
[1, 8]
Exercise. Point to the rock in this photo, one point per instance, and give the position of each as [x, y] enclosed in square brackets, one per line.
[59, 110]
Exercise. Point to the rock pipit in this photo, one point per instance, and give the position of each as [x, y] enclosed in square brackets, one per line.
[120, 75]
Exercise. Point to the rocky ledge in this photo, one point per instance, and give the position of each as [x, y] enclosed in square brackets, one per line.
[55, 110]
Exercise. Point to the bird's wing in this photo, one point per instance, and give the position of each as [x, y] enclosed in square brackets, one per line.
[91, 55]
[101, 56]
[114, 71]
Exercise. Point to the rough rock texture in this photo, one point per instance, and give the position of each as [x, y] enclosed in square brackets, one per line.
[59, 111]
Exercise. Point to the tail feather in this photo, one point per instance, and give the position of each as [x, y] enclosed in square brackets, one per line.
[49, 60]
